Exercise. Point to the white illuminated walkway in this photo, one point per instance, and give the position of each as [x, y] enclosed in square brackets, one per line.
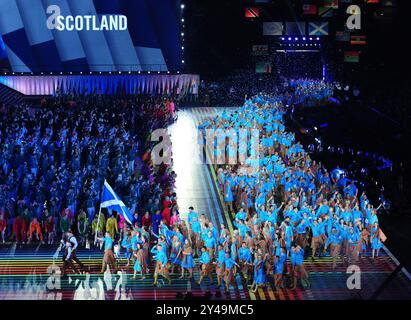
[194, 186]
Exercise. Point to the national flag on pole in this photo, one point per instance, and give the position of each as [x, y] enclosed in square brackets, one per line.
[318, 28]
[252, 12]
[358, 40]
[110, 200]
[324, 12]
[309, 9]
[273, 28]
[331, 4]
[352, 56]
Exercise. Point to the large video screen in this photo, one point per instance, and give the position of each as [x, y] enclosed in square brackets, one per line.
[90, 35]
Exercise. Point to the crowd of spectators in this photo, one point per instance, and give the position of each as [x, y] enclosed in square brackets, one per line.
[54, 159]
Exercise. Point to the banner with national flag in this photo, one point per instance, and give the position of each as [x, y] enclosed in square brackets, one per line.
[373, 1]
[295, 28]
[309, 9]
[352, 56]
[324, 12]
[110, 200]
[318, 28]
[331, 4]
[343, 36]
[358, 40]
[273, 28]
[252, 12]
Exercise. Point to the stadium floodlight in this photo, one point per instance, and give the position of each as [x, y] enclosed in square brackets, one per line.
[282, 38]
[304, 38]
[318, 38]
[311, 38]
[182, 6]
[289, 38]
[296, 38]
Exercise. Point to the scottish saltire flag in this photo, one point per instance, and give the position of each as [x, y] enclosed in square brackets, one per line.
[110, 200]
[318, 28]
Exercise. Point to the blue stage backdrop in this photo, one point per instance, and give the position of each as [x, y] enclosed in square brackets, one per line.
[90, 35]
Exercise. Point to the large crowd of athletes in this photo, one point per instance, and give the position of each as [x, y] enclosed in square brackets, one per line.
[286, 209]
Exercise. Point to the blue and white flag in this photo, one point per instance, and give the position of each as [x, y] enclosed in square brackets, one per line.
[111, 201]
[318, 28]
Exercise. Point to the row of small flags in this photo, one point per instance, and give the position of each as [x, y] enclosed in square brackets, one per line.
[351, 56]
[295, 28]
[326, 10]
